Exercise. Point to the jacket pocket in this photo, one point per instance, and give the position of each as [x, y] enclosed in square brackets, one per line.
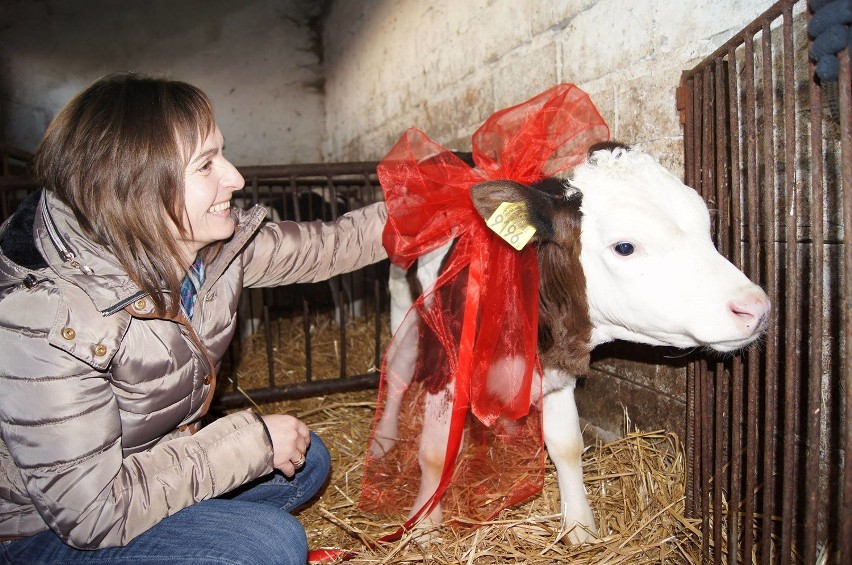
[82, 331]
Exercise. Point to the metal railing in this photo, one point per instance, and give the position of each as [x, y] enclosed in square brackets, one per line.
[770, 432]
[310, 192]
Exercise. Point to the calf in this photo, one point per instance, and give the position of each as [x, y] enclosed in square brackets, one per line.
[624, 252]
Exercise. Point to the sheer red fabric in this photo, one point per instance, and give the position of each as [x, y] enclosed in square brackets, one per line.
[478, 324]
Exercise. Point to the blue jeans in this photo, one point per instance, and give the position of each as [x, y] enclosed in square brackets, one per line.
[249, 526]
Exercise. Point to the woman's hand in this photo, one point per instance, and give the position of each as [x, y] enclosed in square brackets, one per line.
[290, 441]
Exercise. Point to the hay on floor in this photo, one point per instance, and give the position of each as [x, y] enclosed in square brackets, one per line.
[636, 487]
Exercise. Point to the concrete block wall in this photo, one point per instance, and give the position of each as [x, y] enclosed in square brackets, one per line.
[444, 66]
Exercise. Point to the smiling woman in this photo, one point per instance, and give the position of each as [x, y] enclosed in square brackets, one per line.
[210, 181]
[108, 357]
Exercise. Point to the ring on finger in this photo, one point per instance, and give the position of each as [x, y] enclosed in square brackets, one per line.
[298, 463]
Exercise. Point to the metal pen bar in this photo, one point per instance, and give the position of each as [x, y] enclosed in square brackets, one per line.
[789, 218]
[692, 424]
[845, 103]
[320, 387]
[769, 240]
[705, 404]
[753, 396]
[736, 256]
[815, 319]
[723, 241]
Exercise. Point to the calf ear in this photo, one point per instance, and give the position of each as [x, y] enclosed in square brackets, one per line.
[487, 196]
[541, 206]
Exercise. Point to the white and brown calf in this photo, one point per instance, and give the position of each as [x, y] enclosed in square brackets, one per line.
[624, 252]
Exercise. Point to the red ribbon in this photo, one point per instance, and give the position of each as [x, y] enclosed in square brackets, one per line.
[427, 191]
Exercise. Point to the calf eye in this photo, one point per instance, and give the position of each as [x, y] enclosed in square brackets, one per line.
[624, 248]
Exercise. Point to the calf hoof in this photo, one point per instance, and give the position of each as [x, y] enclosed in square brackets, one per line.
[427, 534]
[432, 520]
[579, 533]
[578, 522]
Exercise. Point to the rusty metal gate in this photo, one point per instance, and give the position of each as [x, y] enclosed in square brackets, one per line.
[302, 193]
[769, 432]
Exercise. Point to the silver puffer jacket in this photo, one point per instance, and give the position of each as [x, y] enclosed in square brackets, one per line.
[99, 397]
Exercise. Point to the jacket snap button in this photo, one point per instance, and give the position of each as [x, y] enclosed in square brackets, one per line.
[139, 304]
[207, 379]
[69, 333]
[100, 350]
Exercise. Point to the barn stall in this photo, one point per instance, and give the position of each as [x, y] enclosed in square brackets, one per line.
[757, 472]
[745, 451]
[769, 149]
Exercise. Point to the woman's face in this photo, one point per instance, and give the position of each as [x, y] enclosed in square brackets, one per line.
[210, 180]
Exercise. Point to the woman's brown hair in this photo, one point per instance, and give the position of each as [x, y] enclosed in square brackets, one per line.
[117, 154]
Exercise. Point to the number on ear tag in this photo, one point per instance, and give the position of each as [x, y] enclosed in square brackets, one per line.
[509, 221]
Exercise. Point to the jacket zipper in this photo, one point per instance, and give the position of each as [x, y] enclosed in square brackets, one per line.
[61, 247]
[55, 238]
[121, 305]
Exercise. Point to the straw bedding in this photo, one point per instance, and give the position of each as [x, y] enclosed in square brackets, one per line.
[636, 484]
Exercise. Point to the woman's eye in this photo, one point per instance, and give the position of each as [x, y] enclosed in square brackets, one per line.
[624, 248]
[205, 167]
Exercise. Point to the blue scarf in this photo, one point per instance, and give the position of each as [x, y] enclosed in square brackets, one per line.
[190, 285]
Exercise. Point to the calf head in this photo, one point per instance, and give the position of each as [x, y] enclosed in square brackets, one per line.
[636, 240]
[653, 273]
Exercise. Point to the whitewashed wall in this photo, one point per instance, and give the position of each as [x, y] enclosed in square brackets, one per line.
[446, 65]
[257, 59]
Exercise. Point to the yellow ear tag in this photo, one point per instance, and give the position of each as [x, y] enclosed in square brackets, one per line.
[509, 221]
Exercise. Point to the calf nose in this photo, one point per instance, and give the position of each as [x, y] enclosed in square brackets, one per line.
[753, 309]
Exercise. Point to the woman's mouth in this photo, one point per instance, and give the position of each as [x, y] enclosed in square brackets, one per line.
[219, 208]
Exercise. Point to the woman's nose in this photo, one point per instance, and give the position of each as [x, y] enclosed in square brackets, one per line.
[233, 180]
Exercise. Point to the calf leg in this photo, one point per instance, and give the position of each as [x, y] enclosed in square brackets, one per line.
[339, 304]
[401, 358]
[433, 449]
[346, 299]
[400, 362]
[249, 313]
[564, 441]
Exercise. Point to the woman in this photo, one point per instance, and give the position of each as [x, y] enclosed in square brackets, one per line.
[119, 284]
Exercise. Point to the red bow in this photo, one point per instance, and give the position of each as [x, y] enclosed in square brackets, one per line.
[483, 310]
